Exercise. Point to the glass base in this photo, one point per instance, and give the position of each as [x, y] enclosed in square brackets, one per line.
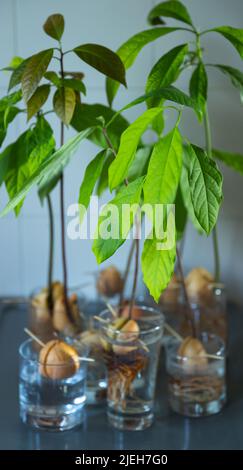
[51, 421]
[130, 422]
[197, 410]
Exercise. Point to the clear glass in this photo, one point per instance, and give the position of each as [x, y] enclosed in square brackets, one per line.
[197, 387]
[46, 403]
[132, 360]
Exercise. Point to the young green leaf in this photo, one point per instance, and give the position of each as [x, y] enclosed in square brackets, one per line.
[104, 60]
[75, 84]
[199, 88]
[53, 78]
[91, 176]
[50, 168]
[233, 35]
[37, 100]
[104, 247]
[232, 160]
[64, 101]
[25, 156]
[54, 26]
[164, 170]
[157, 266]
[180, 214]
[34, 71]
[10, 100]
[14, 64]
[165, 71]
[139, 165]
[234, 74]
[205, 182]
[128, 146]
[170, 9]
[6, 117]
[85, 115]
[186, 196]
[16, 76]
[129, 51]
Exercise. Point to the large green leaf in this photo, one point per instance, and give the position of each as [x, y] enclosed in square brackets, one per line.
[164, 170]
[205, 183]
[16, 76]
[102, 183]
[104, 247]
[233, 160]
[129, 142]
[170, 9]
[54, 26]
[165, 71]
[180, 214]
[34, 71]
[186, 195]
[129, 51]
[233, 35]
[199, 88]
[91, 176]
[85, 115]
[157, 265]
[37, 100]
[104, 60]
[139, 165]
[23, 158]
[64, 101]
[234, 74]
[50, 168]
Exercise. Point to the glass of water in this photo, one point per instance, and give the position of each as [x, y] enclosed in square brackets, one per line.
[50, 403]
[131, 359]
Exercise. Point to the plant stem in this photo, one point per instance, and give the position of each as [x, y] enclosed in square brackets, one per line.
[189, 312]
[51, 253]
[208, 138]
[135, 279]
[64, 257]
[127, 270]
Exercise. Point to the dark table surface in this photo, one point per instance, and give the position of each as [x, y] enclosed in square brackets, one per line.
[169, 431]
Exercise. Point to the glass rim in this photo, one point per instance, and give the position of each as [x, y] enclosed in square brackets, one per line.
[220, 352]
[158, 313]
[37, 361]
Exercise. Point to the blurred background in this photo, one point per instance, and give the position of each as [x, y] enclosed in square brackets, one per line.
[24, 241]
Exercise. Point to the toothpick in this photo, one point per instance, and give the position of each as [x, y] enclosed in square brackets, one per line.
[35, 338]
[143, 345]
[173, 332]
[101, 320]
[112, 310]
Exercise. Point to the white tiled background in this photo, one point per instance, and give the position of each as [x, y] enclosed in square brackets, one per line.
[24, 242]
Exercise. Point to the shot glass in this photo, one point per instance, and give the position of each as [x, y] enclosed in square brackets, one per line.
[196, 385]
[131, 359]
[52, 401]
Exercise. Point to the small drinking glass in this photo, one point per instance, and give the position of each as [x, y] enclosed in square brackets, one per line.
[50, 403]
[131, 359]
[196, 385]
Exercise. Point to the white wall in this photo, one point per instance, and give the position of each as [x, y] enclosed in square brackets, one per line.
[24, 242]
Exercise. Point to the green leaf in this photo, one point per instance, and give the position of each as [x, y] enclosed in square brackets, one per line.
[170, 9]
[102, 183]
[158, 124]
[85, 115]
[53, 78]
[199, 88]
[10, 100]
[205, 183]
[186, 196]
[129, 51]
[75, 84]
[233, 160]
[45, 189]
[128, 146]
[37, 100]
[233, 35]
[17, 74]
[139, 165]
[104, 60]
[34, 71]
[157, 265]
[8, 112]
[235, 75]
[54, 26]
[104, 248]
[22, 158]
[50, 168]
[91, 176]
[180, 214]
[64, 101]
[165, 71]
[14, 63]
[164, 170]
